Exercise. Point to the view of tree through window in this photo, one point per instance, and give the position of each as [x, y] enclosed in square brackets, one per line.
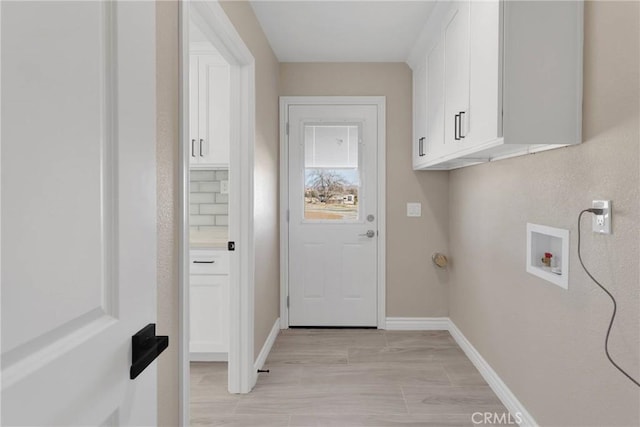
[332, 179]
[331, 194]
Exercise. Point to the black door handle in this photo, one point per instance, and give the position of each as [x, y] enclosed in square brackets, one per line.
[203, 262]
[460, 125]
[193, 148]
[146, 347]
[456, 120]
[421, 147]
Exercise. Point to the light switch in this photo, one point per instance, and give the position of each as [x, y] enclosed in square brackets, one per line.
[224, 187]
[414, 209]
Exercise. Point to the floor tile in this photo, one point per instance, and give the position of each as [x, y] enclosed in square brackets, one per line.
[451, 400]
[308, 356]
[389, 354]
[399, 420]
[430, 339]
[244, 421]
[390, 374]
[461, 374]
[359, 378]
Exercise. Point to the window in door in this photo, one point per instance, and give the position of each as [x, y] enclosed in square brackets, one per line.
[331, 172]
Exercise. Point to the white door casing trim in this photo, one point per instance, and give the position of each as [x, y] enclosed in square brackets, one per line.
[380, 103]
[215, 24]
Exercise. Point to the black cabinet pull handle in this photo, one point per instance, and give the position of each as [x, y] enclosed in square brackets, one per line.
[201, 141]
[203, 262]
[145, 348]
[460, 125]
[421, 147]
[193, 148]
[456, 120]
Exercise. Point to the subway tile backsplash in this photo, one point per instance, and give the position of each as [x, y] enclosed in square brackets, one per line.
[208, 207]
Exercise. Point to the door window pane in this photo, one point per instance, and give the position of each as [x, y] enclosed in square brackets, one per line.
[332, 175]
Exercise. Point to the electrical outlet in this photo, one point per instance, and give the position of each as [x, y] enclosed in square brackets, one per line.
[601, 224]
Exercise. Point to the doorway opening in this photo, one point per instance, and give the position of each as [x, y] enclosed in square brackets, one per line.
[217, 103]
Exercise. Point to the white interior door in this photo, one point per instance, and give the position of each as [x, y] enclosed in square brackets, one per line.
[78, 211]
[333, 231]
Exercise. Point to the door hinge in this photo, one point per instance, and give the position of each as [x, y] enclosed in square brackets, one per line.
[287, 301]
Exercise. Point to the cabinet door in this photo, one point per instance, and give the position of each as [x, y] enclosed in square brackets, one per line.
[435, 99]
[193, 109]
[485, 86]
[213, 111]
[419, 115]
[209, 316]
[456, 59]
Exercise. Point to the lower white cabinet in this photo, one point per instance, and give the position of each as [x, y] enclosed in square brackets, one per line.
[209, 305]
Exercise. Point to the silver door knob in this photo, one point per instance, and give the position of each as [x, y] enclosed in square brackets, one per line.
[369, 234]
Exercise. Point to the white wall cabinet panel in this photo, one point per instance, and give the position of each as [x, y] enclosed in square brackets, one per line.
[512, 80]
[419, 116]
[209, 86]
[435, 100]
[456, 76]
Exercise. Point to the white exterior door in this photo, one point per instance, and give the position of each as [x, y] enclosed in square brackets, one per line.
[333, 207]
[78, 211]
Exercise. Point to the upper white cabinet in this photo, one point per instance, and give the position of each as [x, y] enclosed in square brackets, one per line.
[209, 103]
[419, 113]
[496, 79]
[455, 36]
[429, 109]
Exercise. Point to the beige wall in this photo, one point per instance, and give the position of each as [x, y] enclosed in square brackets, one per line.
[168, 205]
[544, 342]
[414, 288]
[266, 228]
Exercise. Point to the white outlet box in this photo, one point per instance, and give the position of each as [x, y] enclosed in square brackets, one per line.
[542, 239]
[602, 223]
[414, 209]
[224, 187]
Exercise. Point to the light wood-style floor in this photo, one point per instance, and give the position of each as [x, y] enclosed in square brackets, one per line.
[347, 377]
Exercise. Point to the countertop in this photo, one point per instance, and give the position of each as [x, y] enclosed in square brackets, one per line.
[211, 238]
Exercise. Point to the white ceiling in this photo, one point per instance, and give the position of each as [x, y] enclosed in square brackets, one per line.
[342, 31]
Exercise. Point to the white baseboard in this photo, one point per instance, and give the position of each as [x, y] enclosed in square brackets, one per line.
[208, 357]
[266, 348]
[417, 323]
[501, 390]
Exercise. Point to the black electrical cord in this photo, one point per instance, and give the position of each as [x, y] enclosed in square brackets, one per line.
[613, 316]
